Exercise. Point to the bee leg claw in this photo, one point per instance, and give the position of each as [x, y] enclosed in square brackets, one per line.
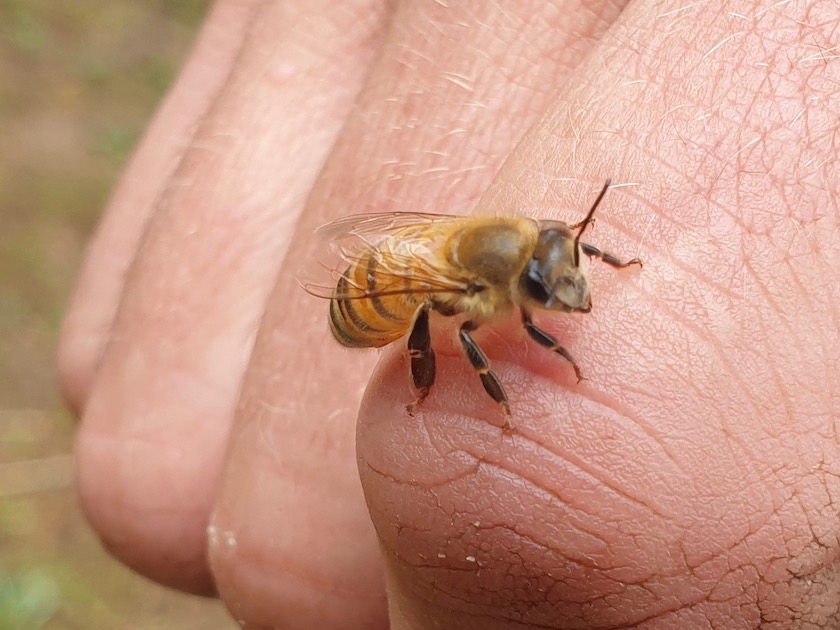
[507, 427]
[411, 407]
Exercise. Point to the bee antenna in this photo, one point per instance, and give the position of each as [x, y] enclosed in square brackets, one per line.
[588, 219]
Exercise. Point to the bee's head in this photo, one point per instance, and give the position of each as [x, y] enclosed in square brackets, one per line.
[557, 276]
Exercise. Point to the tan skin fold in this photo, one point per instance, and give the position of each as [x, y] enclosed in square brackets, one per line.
[90, 318]
[690, 482]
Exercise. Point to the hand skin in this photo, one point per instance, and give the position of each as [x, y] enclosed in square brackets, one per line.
[690, 482]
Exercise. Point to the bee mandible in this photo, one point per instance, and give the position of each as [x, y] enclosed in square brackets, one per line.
[398, 268]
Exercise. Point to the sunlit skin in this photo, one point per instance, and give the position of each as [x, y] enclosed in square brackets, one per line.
[690, 482]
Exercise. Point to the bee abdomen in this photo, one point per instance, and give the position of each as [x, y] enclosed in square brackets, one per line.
[352, 323]
[370, 321]
[343, 333]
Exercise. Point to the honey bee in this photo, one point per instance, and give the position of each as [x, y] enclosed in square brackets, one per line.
[398, 268]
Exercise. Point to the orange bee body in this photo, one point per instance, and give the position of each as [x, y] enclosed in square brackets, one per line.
[399, 267]
[477, 254]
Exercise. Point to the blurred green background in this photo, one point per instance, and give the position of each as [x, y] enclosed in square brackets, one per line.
[79, 80]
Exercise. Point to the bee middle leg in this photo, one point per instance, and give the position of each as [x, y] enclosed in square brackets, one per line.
[548, 341]
[491, 382]
[423, 364]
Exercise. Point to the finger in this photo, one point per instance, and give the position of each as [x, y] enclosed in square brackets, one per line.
[452, 91]
[155, 428]
[90, 316]
[685, 483]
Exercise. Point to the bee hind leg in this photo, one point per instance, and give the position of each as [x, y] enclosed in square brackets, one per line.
[549, 342]
[422, 358]
[491, 382]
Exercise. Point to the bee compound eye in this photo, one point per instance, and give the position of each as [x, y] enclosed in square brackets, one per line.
[535, 287]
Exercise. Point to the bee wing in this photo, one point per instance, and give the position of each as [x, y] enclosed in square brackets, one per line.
[373, 228]
[406, 245]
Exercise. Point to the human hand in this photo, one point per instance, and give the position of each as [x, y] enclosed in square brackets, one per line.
[690, 482]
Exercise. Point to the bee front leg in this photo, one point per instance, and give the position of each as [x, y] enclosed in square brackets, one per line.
[591, 250]
[491, 382]
[547, 341]
[422, 357]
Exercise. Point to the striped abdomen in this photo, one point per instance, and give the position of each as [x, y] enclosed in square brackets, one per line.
[360, 317]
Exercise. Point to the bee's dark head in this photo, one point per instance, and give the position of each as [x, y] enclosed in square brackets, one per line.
[557, 276]
[554, 279]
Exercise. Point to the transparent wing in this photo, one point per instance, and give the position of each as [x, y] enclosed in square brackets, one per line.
[406, 247]
[373, 228]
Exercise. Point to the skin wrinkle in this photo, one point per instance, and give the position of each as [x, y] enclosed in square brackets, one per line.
[700, 338]
[815, 536]
[569, 458]
[580, 560]
[603, 400]
[438, 483]
[730, 554]
[471, 518]
[774, 373]
[490, 466]
[579, 465]
[752, 472]
[432, 575]
[504, 599]
[599, 398]
[508, 619]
